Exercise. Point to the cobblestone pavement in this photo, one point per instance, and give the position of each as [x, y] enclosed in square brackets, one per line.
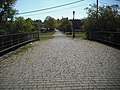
[62, 64]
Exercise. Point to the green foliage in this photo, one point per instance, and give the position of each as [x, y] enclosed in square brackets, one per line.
[108, 19]
[50, 23]
[65, 25]
[6, 10]
[20, 24]
[47, 35]
[29, 25]
[80, 35]
[6, 16]
[25, 25]
[10, 26]
[37, 24]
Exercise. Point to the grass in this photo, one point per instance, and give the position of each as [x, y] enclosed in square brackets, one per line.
[15, 53]
[78, 35]
[23, 49]
[20, 50]
[47, 35]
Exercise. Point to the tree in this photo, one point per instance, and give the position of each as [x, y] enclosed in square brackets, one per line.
[108, 19]
[23, 25]
[50, 23]
[37, 24]
[6, 9]
[6, 13]
[65, 25]
[28, 25]
[20, 24]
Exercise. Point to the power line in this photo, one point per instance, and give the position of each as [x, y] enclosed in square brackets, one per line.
[57, 10]
[52, 7]
[105, 3]
[109, 3]
[53, 11]
[117, 0]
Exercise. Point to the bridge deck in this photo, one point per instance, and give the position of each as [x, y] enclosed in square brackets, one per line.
[62, 64]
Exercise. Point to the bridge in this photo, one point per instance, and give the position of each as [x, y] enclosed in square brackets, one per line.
[62, 63]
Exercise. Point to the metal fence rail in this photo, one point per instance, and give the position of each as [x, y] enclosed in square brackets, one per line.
[109, 37]
[12, 40]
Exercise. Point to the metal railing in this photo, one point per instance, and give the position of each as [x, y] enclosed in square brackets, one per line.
[105, 36]
[12, 40]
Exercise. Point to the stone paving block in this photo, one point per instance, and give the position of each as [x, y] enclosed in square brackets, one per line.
[101, 86]
[57, 88]
[62, 63]
[66, 88]
[52, 88]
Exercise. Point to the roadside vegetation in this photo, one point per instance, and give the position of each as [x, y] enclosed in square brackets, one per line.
[47, 35]
[14, 54]
[107, 19]
[23, 49]
[80, 35]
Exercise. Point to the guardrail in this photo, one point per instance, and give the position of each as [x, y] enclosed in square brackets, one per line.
[13, 40]
[104, 36]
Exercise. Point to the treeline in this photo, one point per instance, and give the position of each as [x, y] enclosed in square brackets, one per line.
[6, 15]
[62, 24]
[107, 19]
[10, 24]
[65, 25]
[20, 25]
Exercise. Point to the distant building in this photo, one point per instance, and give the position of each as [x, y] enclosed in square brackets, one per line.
[77, 24]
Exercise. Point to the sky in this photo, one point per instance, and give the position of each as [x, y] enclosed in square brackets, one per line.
[57, 13]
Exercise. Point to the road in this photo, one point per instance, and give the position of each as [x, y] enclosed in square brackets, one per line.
[62, 63]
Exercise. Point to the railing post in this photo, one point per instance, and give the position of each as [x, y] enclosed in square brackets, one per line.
[11, 41]
[18, 38]
[33, 36]
[2, 43]
[38, 35]
[27, 36]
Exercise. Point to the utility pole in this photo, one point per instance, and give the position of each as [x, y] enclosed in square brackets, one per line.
[97, 16]
[97, 10]
[73, 24]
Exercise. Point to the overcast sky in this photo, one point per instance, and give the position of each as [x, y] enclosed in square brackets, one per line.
[66, 11]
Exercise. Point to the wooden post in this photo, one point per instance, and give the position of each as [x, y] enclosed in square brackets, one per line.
[97, 10]
[38, 35]
[73, 25]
